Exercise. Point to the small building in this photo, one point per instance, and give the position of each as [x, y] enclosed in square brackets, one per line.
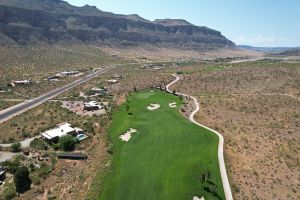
[20, 82]
[61, 130]
[112, 81]
[2, 174]
[68, 73]
[98, 90]
[53, 78]
[116, 76]
[91, 105]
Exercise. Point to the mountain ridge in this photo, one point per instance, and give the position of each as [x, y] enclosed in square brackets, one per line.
[53, 21]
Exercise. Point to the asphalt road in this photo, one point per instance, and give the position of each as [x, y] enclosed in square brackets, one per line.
[22, 107]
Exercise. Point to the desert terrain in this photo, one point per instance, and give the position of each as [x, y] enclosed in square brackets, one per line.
[255, 106]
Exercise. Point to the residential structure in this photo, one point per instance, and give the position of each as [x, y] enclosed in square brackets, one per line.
[61, 130]
[68, 73]
[112, 81]
[92, 105]
[98, 90]
[20, 82]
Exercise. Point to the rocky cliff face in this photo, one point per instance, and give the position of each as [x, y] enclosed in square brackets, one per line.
[53, 21]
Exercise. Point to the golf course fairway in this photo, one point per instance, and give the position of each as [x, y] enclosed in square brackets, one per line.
[167, 158]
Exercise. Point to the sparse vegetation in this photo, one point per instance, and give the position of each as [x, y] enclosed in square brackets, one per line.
[16, 147]
[38, 144]
[255, 105]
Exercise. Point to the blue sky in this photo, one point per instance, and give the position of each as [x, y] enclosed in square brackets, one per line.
[251, 22]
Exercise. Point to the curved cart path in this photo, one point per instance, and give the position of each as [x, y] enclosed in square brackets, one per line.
[225, 182]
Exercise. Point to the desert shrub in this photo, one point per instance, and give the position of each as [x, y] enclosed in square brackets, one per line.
[67, 143]
[90, 93]
[236, 188]
[38, 144]
[110, 148]
[11, 139]
[44, 170]
[88, 126]
[55, 146]
[25, 134]
[16, 147]
[9, 192]
[22, 179]
[11, 166]
[36, 180]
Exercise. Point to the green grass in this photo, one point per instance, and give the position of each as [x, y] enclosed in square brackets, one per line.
[165, 159]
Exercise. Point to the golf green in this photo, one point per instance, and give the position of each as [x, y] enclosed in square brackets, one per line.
[168, 158]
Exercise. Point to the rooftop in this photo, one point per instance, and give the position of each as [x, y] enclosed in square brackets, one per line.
[59, 131]
[91, 104]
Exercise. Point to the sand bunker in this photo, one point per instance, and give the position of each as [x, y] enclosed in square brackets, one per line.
[172, 105]
[153, 106]
[197, 198]
[127, 135]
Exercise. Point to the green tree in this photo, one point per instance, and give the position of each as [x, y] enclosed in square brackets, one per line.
[67, 143]
[38, 144]
[16, 147]
[22, 179]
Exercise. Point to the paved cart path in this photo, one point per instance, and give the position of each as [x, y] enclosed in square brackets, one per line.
[225, 181]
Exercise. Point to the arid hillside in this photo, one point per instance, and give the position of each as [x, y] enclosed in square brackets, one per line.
[256, 107]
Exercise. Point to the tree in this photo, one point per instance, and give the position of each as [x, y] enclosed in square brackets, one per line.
[16, 147]
[38, 144]
[174, 92]
[67, 142]
[22, 179]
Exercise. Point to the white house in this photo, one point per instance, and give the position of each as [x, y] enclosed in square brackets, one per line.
[68, 73]
[112, 81]
[59, 131]
[92, 105]
[98, 90]
[22, 82]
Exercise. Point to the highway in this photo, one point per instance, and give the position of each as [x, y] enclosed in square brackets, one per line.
[24, 106]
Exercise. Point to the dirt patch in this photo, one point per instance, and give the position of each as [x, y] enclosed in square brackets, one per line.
[78, 108]
[120, 99]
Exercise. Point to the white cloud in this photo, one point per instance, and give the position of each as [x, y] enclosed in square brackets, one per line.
[258, 41]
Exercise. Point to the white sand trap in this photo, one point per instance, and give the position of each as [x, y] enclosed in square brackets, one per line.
[197, 198]
[153, 106]
[127, 136]
[172, 105]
